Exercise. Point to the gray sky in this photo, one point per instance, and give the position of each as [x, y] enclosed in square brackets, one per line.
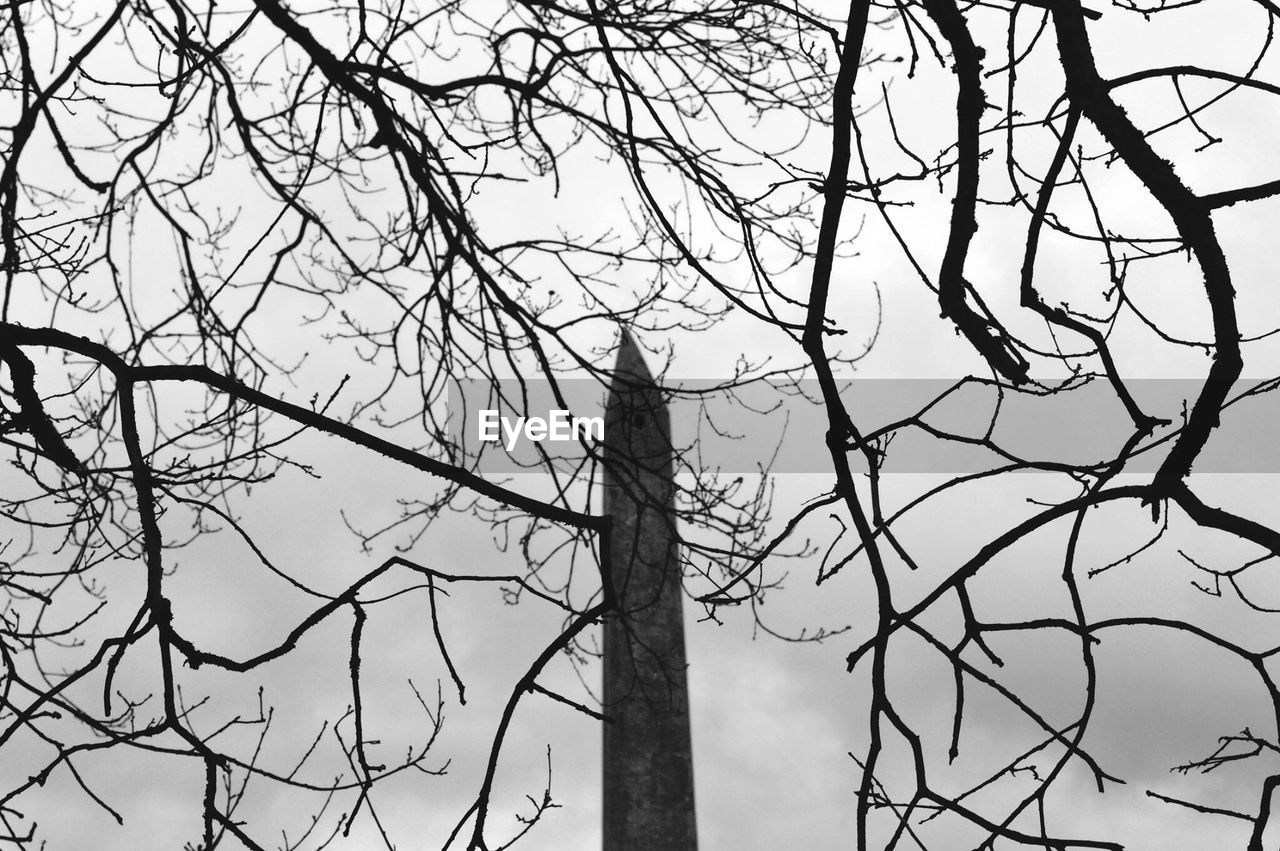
[773, 722]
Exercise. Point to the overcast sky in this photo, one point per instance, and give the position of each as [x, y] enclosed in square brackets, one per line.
[774, 723]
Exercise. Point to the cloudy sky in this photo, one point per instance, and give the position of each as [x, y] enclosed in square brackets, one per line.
[777, 725]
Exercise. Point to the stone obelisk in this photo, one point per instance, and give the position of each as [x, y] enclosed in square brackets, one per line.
[648, 759]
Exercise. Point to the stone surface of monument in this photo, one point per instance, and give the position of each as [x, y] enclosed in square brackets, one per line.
[648, 760]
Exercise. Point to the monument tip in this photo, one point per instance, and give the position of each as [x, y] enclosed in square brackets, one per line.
[630, 360]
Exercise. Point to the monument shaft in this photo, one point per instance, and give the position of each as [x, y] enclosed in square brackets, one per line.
[648, 760]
